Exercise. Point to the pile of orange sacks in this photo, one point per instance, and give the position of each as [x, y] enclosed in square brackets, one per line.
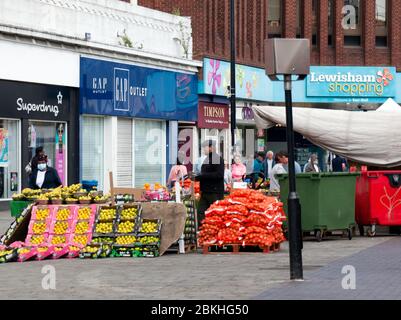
[245, 217]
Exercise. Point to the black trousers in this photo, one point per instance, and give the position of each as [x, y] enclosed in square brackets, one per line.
[206, 200]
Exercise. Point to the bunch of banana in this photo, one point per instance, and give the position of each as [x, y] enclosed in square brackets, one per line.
[43, 197]
[126, 227]
[102, 198]
[85, 198]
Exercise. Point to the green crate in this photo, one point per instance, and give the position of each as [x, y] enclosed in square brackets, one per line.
[327, 200]
[16, 207]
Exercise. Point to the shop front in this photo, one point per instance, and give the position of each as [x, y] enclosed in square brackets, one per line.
[129, 121]
[34, 115]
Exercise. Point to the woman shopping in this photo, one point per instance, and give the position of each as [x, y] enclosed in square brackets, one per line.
[44, 177]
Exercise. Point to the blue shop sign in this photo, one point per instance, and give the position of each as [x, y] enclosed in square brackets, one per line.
[351, 82]
[116, 89]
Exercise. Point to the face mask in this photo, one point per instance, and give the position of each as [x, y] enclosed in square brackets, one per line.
[42, 166]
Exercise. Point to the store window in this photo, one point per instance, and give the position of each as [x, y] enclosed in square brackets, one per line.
[9, 158]
[330, 22]
[315, 11]
[92, 137]
[352, 26]
[52, 136]
[149, 152]
[381, 23]
[274, 14]
[124, 152]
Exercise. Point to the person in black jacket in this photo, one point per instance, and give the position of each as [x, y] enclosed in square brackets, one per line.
[211, 178]
[44, 177]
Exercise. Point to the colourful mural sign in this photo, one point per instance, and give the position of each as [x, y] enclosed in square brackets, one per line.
[3, 147]
[251, 82]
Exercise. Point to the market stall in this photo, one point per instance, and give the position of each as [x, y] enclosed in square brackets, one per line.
[66, 223]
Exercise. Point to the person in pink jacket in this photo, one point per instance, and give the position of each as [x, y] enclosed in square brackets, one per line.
[238, 169]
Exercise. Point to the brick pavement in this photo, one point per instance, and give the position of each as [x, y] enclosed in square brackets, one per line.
[377, 271]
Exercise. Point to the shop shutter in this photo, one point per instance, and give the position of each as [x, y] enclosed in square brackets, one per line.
[124, 153]
[92, 149]
[149, 152]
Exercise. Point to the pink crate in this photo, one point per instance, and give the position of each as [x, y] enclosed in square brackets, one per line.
[41, 255]
[26, 256]
[65, 242]
[89, 229]
[88, 239]
[28, 240]
[73, 211]
[17, 244]
[35, 209]
[93, 208]
[32, 222]
[55, 222]
[57, 254]
[74, 253]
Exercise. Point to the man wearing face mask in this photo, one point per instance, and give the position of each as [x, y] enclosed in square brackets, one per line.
[44, 177]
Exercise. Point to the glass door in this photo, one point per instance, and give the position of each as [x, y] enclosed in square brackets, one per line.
[52, 136]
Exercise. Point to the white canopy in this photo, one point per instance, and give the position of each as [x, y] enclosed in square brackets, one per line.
[389, 106]
[370, 138]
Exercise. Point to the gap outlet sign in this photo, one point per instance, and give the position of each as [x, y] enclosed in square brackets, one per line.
[351, 82]
[116, 89]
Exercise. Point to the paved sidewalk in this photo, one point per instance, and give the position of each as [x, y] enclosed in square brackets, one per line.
[377, 271]
[172, 276]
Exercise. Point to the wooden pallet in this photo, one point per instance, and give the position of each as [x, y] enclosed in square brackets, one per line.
[237, 248]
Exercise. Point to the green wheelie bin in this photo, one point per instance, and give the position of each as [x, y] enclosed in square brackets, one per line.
[327, 201]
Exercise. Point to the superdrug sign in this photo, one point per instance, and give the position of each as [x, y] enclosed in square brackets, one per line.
[34, 101]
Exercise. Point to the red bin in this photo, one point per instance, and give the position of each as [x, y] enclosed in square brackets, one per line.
[378, 199]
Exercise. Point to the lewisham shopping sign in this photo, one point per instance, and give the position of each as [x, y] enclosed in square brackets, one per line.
[351, 82]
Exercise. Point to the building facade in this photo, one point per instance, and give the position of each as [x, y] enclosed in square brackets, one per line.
[351, 40]
[88, 80]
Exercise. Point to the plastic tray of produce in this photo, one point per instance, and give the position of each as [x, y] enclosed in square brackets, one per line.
[60, 227]
[65, 212]
[104, 228]
[130, 212]
[81, 239]
[148, 240]
[125, 240]
[8, 254]
[149, 227]
[150, 251]
[36, 239]
[42, 212]
[126, 226]
[82, 226]
[39, 226]
[95, 251]
[103, 240]
[107, 213]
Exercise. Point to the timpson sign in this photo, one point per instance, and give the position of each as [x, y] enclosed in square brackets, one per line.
[213, 116]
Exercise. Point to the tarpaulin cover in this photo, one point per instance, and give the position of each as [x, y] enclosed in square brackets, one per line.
[370, 138]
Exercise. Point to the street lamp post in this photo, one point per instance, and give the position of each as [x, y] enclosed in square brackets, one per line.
[288, 58]
[232, 67]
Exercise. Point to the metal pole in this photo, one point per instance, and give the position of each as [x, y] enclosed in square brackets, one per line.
[232, 83]
[294, 207]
